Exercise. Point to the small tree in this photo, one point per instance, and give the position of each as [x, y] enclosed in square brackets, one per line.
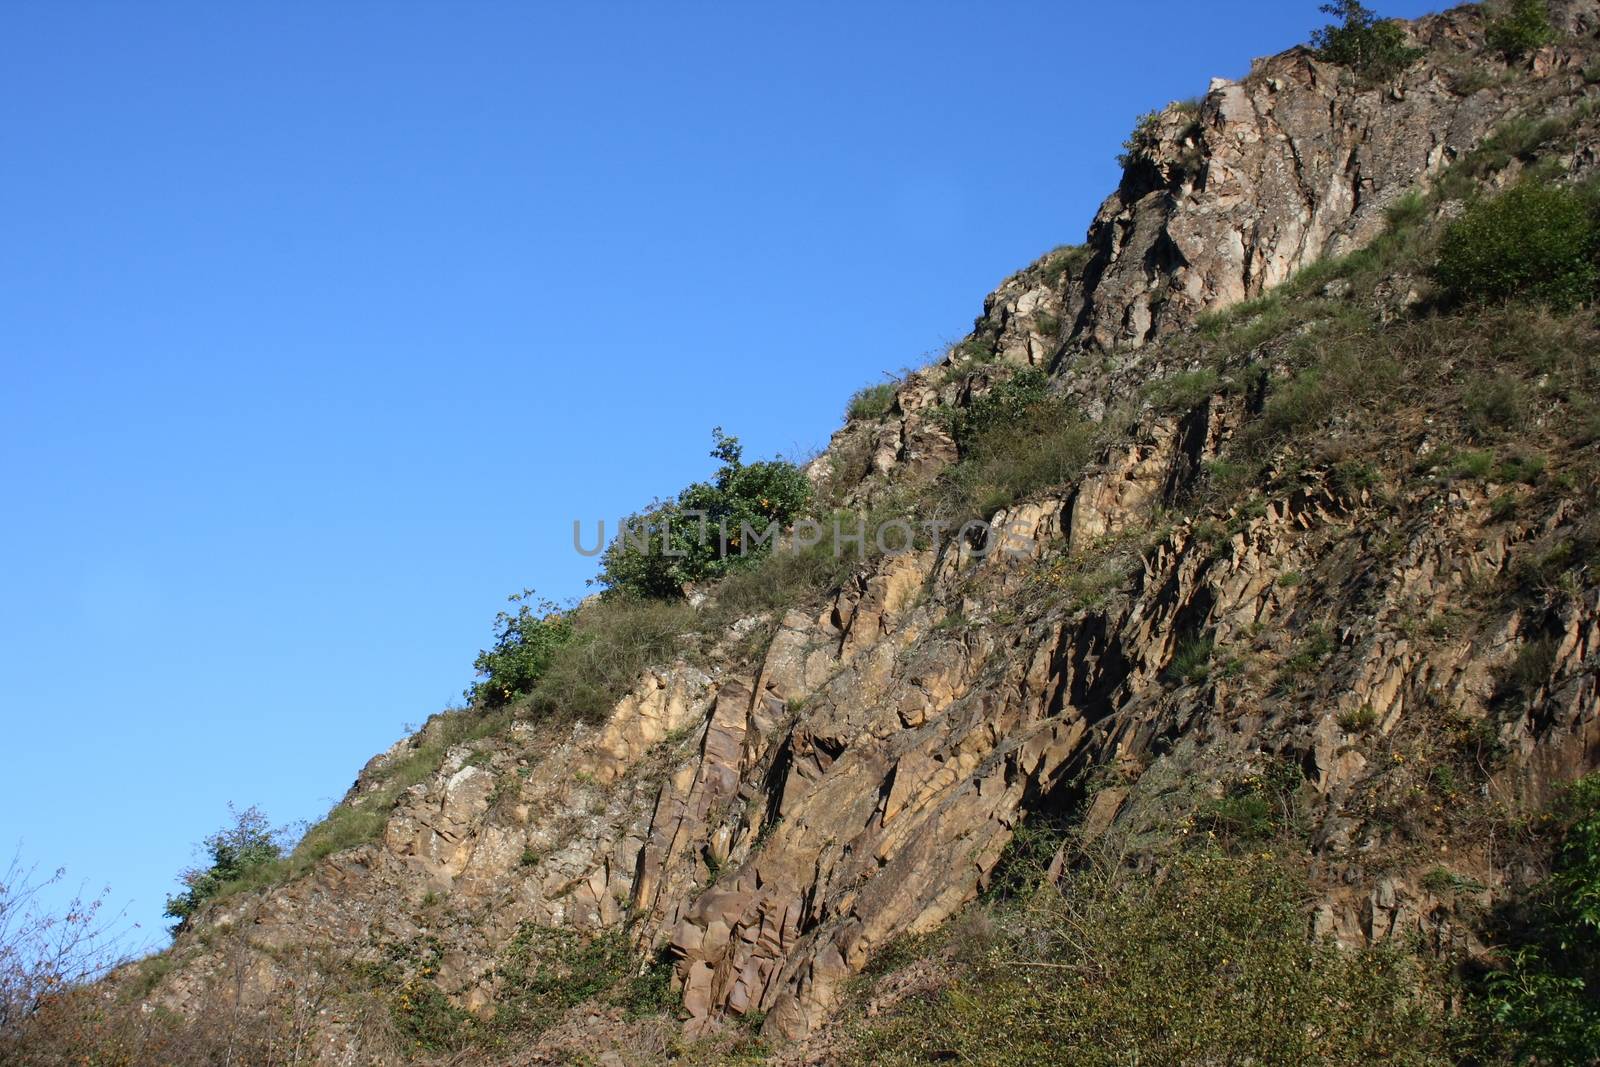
[1522, 27]
[1373, 47]
[250, 843]
[523, 646]
[703, 532]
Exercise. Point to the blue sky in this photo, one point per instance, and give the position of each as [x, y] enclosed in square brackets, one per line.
[319, 324]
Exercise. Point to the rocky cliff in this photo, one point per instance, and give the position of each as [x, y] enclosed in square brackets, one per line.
[767, 811]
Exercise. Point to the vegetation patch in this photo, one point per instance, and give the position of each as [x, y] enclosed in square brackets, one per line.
[236, 852]
[871, 402]
[1210, 962]
[1014, 440]
[525, 643]
[1538, 1005]
[708, 528]
[1373, 47]
[1520, 28]
[1532, 242]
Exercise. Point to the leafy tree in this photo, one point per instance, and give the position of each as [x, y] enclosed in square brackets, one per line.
[709, 528]
[524, 643]
[235, 851]
[1373, 47]
[1523, 26]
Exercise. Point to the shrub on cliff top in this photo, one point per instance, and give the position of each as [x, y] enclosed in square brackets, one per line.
[235, 851]
[871, 402]
[708, 528]
[1521, 27]
[1142, 141]
[1371, 46]
[523, 645]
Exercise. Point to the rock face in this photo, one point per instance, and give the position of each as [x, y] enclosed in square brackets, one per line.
[770, 824]
[1229, 197]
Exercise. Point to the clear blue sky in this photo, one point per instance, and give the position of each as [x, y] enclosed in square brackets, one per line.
[320, 323]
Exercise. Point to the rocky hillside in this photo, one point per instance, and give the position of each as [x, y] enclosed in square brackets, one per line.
[1290, 548]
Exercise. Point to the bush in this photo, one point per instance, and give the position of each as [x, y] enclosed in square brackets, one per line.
[523, 646]
[1000, 407]
[1142, 141]
[612, 641]
[43, 953]
[1533, 241]
[1014, 440]
[1522, 27]
[1191, 661]
[1209, 963]
[546, 970]
[1181, 393]
[708, 528]
[1373, 47]
[871, 402]
[1540, 1005]
[788, 576]
[1066, 260]
[1493, 404]
[235, 851]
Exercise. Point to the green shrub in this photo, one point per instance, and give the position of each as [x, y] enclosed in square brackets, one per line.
[1004, 403]
[1494, 404]
[1520, 467]
[1065, 260]
[703, 532]
[789, 575]
[524, 644]
[1183, 392]
[1521, 27]
[1255, 807]
[1540, 1004]
[650, 991]
[546, 970]
[1014, 440]
[1527, 673]
[1533, 241]
[1343, 365]
[236, 851]
[1373, 47]
[1191, 661]
[1358, 720]
[1142, 141]
[1208, 963]
[613, 640]
[1473, 464]
[872, 402]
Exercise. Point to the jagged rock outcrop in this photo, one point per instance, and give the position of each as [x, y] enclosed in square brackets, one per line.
[1227, 197]
[772, 823]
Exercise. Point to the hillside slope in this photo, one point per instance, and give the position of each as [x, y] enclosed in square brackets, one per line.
[1278, 535]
